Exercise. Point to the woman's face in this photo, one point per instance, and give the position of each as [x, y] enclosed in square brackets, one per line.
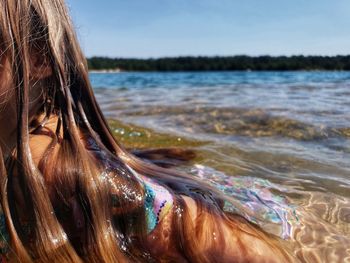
[7, 107]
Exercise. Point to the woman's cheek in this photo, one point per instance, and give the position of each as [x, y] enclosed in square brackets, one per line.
[7, 107]
[6, 85]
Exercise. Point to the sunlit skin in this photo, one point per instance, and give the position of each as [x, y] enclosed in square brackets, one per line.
[160, 241]
[8, 99]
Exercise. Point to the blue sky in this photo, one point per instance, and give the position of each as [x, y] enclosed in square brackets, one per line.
[157, 28]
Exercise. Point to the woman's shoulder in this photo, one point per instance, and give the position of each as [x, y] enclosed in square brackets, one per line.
[158, 200]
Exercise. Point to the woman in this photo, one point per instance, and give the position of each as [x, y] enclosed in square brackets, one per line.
[69, 191]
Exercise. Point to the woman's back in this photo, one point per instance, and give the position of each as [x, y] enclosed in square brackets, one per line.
[215, 236]
[69, 191]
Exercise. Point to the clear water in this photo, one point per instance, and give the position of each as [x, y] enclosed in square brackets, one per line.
[289, 128]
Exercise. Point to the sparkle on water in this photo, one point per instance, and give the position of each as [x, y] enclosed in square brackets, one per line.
[289, 128]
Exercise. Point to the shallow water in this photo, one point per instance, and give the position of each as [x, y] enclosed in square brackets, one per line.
[291, 129]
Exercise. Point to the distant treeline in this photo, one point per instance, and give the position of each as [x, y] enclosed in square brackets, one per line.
[222, 63]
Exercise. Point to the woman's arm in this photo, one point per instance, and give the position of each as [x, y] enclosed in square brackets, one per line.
[214, 238]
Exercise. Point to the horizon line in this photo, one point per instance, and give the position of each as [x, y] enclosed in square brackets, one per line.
[215, 56]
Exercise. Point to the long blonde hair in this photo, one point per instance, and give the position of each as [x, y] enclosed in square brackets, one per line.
[75, 169]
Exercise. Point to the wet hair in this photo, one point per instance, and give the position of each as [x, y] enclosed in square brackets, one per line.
[68, 196]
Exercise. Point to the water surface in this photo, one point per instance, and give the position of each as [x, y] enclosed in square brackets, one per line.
[289, 128]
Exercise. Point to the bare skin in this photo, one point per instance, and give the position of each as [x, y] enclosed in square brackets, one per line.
[161, 240]
[8, 112]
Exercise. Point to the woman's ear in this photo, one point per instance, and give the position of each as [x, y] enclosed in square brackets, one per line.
[40, 66]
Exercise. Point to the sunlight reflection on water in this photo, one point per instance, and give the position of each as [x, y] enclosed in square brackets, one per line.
[290, 128]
